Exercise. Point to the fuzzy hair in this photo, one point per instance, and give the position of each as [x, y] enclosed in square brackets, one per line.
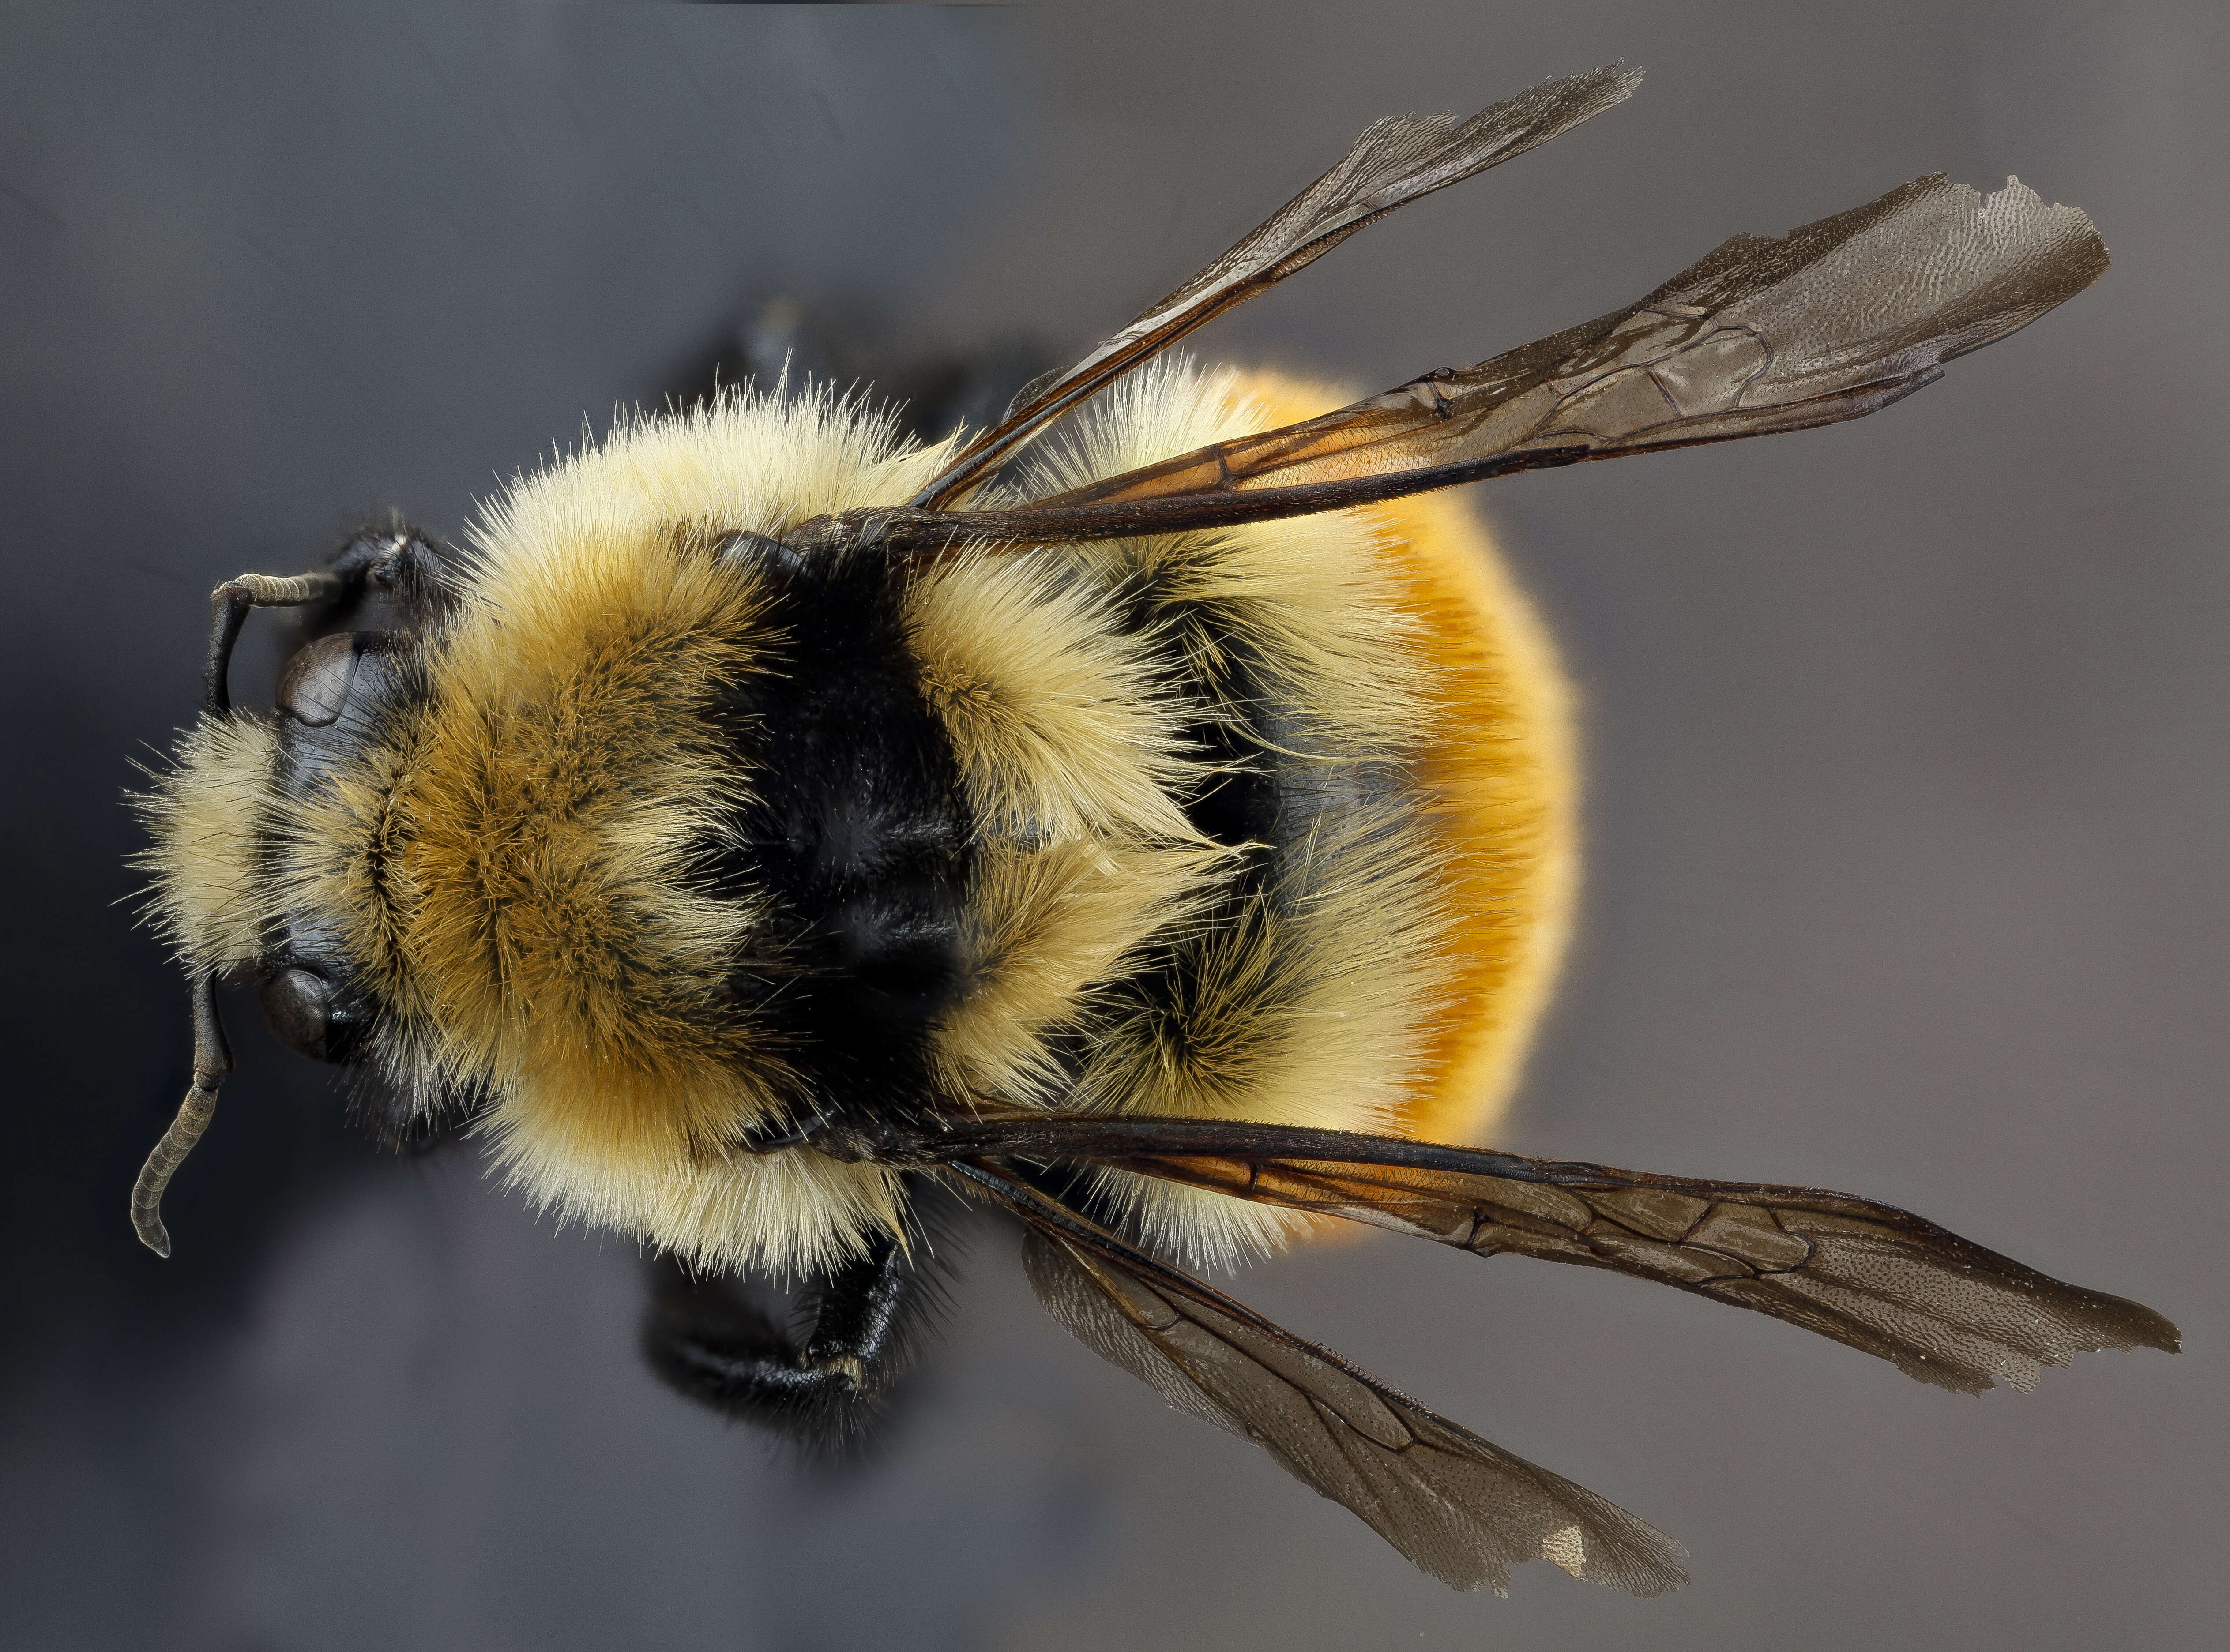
[1389, 971]
[1312, 597]
[206, 816]
[1050, 926]
[745, 462]
[573, 974]
[1065, 727]
[519, 859]
[1507, 825]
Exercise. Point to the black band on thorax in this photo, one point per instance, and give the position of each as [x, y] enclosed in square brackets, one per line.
[858, 837]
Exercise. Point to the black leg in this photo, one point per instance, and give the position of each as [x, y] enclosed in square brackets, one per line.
[930, 393]
[395, 562]
[709, 1342]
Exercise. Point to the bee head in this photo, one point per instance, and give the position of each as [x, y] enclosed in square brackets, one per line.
[232, 889]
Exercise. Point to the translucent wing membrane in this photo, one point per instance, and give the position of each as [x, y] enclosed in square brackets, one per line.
[1828, 323]
[1464, 1510]
[1395, 161]
[1940, 1308]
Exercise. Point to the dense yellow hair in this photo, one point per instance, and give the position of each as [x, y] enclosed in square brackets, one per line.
[518, 863]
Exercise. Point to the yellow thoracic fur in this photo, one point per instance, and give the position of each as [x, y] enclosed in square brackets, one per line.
[518, 862]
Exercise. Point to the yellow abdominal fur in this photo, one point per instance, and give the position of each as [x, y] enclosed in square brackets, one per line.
[518, 863]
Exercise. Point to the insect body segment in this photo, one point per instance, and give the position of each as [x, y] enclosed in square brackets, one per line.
[222, 823]
[768, 819]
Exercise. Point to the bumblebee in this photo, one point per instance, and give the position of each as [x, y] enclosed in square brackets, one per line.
[1150, 816]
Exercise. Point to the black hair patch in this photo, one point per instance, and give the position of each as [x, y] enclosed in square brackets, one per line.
[858, 834]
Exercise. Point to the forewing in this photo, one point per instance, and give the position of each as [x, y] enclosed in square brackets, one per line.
[1460, 1508]
[1395, 161]
[1942, 1308]
[1828, 323]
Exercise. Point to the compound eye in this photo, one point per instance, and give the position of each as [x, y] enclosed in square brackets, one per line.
[315, 685]
[298, 1008]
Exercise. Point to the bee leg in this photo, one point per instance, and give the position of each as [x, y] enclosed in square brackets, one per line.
[784, 340]
[709, 1342]
[395, 562]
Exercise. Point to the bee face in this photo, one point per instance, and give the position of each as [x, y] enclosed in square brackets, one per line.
[335, 695]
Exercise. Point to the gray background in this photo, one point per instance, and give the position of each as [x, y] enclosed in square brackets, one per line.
[1907, 814]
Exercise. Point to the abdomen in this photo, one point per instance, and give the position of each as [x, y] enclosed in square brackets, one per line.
[1502, 763]
[1349, 913]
